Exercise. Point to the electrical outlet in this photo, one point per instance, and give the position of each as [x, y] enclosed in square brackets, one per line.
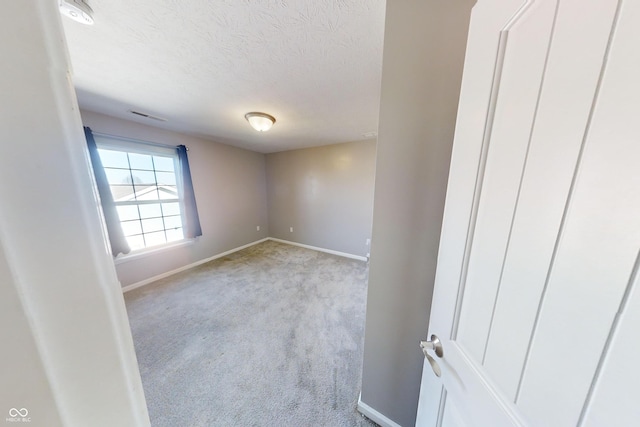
[290, 229]
[368, 242]
[258, 228]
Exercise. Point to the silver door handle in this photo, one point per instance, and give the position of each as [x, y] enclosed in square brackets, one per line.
[435, 345]
[432, 344]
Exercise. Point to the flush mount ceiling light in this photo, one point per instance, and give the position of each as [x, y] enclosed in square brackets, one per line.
[78, 10]
[260, 121]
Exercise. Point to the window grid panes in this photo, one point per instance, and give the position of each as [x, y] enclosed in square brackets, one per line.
[145, 191]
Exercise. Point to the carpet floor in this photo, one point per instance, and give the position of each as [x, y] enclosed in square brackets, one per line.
[268, 336]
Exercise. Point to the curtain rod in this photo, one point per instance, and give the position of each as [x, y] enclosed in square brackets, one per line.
[138, 141]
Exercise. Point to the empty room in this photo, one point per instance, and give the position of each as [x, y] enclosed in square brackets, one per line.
[333, 213]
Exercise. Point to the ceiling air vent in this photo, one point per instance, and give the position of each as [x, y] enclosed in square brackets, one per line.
[148, 116]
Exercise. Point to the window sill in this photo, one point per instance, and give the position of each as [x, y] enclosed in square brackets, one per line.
[143, 253]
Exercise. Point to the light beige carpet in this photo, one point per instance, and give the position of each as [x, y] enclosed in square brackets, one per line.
[268, 336]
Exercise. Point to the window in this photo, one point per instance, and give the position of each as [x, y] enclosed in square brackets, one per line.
[144, 183]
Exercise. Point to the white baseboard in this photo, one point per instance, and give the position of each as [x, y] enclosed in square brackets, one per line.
[374, 415]
[188, 266]
[315, 248]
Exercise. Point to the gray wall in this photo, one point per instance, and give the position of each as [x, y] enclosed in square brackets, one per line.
[422, 70]
[325, 194]
[230, 192]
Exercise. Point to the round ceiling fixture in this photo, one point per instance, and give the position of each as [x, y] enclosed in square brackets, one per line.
[78, 10]
[261, 122]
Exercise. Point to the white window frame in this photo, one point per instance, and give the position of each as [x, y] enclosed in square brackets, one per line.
[129, 145]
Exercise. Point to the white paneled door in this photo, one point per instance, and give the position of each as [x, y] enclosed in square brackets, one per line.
[537, 299]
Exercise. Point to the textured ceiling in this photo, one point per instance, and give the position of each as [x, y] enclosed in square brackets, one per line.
[202, 64]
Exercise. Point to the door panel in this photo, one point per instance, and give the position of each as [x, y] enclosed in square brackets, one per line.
[555, 144]
[477, 102]
[614, 396]
[451, 416]
[597, 247]
[521, 67]
[620, 368]
[540, 240]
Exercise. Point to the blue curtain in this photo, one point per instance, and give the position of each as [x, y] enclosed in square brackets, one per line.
[192, 221]
[116, 236]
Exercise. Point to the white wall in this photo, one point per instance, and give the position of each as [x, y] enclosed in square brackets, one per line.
[74, 348]
[24, 380]
[325, 194]
[230, 189]
[422, 69]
